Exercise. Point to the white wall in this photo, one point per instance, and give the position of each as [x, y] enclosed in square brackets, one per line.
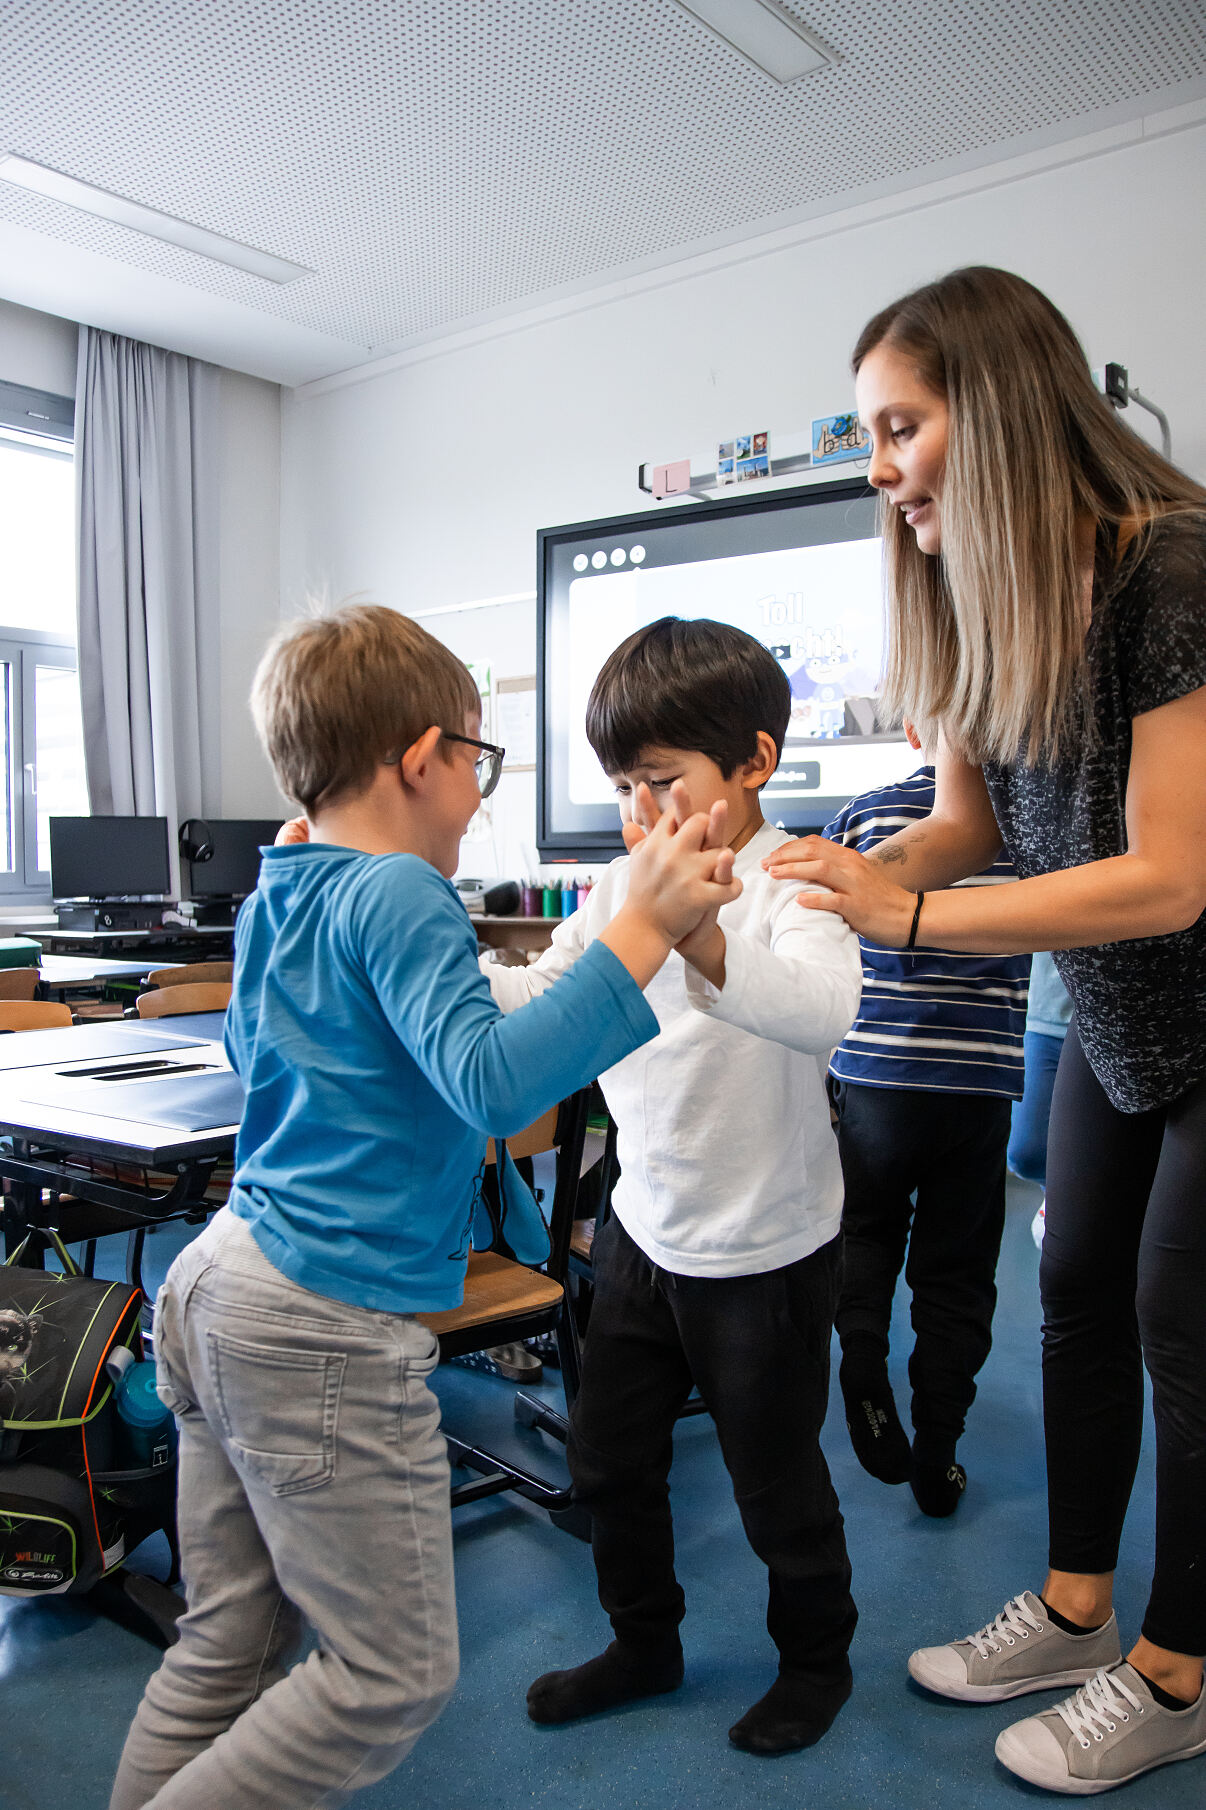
[40, 350]
[424, 486]
[37, 350]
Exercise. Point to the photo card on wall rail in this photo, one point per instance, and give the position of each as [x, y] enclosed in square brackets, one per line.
[744, 457]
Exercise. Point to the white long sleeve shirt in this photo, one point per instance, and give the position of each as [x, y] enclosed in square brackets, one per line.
[728, 1163]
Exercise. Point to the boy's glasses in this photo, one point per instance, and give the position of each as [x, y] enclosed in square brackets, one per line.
[488, 764]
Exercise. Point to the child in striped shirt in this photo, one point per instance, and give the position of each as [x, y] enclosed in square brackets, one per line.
[923, 1084]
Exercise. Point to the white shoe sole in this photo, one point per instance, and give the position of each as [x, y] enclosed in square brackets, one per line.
[999, 1693]
[1013, 1754]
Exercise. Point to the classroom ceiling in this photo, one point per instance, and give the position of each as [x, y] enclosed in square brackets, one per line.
[435, 163]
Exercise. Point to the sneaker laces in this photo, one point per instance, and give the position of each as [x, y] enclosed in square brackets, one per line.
[1015, 1622]
[1098, 1706]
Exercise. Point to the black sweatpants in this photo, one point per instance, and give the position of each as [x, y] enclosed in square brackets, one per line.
[757, 1347]
[1123, 1280]
[949, 1150]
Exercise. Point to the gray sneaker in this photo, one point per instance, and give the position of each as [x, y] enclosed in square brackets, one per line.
[1022, 1650]
[1104, 1735]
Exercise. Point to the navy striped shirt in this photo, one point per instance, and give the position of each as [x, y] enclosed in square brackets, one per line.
[930, 1018]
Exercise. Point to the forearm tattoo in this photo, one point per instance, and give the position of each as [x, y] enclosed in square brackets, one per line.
[895, 853]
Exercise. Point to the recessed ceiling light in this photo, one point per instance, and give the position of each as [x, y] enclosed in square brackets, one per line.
[764, 33]
[148, 220]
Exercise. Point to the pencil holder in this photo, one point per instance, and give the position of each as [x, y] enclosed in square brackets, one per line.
[532, 902]
[552, 902]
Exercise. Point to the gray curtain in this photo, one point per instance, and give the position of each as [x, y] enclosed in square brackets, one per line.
[146, 426]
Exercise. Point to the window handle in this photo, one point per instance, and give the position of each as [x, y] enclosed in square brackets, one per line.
[31, 773]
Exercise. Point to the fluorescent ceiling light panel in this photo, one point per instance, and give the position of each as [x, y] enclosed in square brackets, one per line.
[762, 31]
[148, 220]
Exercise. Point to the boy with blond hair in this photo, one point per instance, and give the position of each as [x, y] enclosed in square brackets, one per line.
[313, 1477]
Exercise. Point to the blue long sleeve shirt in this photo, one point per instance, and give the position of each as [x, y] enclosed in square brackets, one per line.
[376, 1064]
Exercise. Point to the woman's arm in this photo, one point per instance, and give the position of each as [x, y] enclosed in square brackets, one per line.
[959, 837]
[1157, 887]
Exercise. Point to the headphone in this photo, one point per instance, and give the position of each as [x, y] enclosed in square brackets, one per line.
[196, 842]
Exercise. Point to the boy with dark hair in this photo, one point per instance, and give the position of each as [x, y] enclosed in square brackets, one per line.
[313, 1476]
[718, 1265]
[923, 1085]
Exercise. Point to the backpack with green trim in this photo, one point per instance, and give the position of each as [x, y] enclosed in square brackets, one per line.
[64, 1508]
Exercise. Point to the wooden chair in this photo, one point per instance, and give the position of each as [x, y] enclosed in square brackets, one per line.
[18, 983]
[191, 974]
[199, 996]
[506, 1301]
[33, 1015]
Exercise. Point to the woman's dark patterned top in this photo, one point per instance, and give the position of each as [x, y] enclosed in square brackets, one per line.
[1140, 1005]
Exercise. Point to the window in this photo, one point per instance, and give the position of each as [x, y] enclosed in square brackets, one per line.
[41, 733]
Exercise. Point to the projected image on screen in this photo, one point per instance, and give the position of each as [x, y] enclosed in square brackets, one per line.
[798, 570]
[817, 609]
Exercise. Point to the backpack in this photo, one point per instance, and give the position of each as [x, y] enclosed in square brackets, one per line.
[64, 1508]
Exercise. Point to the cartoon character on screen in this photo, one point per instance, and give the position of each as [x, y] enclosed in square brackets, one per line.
[819, 695]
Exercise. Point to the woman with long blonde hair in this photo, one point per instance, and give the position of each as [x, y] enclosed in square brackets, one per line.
[1047, 628]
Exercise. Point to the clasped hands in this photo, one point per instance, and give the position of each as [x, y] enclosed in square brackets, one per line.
[655, 839]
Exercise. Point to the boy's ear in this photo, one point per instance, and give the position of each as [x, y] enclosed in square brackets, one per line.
[416, 760]
[759, 768]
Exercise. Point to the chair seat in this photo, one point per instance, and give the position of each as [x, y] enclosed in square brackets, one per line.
[583, 1238]
[495, 1289]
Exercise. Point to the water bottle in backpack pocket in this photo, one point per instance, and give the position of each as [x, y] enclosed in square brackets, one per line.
[145, 1434]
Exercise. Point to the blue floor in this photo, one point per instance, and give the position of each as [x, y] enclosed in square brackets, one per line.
[71, 1681]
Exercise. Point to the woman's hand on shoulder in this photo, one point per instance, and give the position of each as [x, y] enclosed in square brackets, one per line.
[859, 889]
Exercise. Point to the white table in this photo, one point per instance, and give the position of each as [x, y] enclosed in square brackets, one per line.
[62, 974]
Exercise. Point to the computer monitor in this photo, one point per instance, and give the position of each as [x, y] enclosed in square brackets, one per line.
[799, 569]
[234, 867]
[108, 857]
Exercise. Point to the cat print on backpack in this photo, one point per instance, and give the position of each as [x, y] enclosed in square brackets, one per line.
[17, 1332]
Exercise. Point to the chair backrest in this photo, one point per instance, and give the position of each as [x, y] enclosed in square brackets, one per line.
[18, 983]
[201, 996]
[32, 1015]
[190, 974]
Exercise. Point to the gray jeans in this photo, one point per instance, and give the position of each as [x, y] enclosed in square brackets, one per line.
[313, 1488]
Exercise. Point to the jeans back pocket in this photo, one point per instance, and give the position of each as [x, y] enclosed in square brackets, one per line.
[277, 1408]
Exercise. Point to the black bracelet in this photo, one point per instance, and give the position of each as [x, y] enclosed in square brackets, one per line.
[912, 942]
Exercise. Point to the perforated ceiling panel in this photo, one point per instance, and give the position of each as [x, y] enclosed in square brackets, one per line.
[434, 159]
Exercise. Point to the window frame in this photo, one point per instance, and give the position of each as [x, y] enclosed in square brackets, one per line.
[42, 423]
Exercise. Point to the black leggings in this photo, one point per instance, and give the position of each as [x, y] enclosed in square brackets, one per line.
[1123, 1281]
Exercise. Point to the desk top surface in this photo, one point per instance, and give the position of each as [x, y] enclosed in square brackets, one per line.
[91, 939]
[205, 1027]
[57, 1101]
[90, 1043]
[61, 970]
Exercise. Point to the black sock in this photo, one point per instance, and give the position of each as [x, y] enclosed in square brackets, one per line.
[795, 1712]
[1164, 1698]
[937, 1481]
[617, 1675]
[876, 1434]
[1070, 1627]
